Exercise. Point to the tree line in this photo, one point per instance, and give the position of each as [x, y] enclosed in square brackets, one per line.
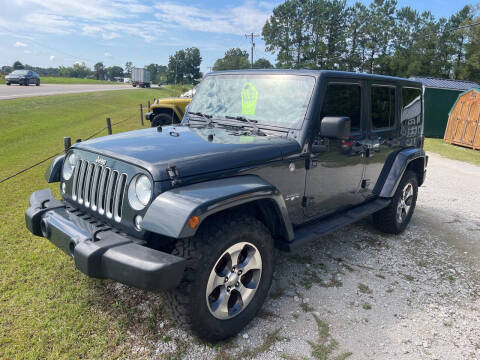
[183, 68]
[379, 38]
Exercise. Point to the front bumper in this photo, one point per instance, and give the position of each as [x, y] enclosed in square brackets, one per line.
[149, 116]
[98, 250]
[16, 81]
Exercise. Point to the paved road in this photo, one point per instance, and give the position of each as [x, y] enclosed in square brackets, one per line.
[15, 91]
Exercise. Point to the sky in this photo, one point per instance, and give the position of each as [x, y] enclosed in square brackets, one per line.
[49, 33]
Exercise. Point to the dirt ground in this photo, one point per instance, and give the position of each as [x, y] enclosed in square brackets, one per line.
[358, 293]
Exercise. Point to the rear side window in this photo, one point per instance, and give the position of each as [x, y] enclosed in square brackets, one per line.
[410, 98]
[383, 107]
[343, 100]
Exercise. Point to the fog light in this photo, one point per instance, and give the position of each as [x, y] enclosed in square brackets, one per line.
[138, 221]
[63, 188]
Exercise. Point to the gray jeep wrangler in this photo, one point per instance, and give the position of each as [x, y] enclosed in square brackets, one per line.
[261, 159]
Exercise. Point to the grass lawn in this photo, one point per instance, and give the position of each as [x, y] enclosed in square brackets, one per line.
[454, 152]
[47, 308]
[66, 80]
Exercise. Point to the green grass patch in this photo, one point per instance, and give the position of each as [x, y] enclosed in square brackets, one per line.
[325, 345]
[364, 289]
[366, 306]
[454, 152]
[48, 309]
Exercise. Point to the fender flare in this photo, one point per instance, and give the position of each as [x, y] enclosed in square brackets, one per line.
[396, 171]
[169, 213]
[53, 171]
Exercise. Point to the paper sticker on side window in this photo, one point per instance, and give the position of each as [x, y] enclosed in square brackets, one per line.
[249, 99]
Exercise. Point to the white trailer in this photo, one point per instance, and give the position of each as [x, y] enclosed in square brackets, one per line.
[140, 77]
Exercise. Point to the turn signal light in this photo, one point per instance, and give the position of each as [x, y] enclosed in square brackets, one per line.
[193, 222]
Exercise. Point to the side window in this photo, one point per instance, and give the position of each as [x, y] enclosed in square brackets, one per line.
[383, 107]
[411, 120]
[411, 103]
[343, 100]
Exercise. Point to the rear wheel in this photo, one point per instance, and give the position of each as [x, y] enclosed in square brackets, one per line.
[395, 217]
[229, 273]
[8, 84]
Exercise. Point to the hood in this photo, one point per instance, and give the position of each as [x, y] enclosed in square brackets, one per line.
[176, 101]
[190, 150]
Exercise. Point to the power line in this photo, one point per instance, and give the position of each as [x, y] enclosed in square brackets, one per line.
[452, 29]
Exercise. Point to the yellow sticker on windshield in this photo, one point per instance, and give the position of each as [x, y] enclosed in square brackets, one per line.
[246, 139]
[249, 99]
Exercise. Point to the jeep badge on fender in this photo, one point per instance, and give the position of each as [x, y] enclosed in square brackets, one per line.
[261, 159]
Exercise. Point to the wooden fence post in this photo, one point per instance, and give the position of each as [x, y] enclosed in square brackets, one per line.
[141, 114]
[109, 126]
[67, 142]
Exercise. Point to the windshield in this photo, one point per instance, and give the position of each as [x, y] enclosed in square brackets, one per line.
[20, 72]
[279, 100]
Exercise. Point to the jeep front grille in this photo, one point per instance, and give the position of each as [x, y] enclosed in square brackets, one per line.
[99, 188]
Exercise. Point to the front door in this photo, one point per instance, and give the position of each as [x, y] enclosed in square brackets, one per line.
[334, 180]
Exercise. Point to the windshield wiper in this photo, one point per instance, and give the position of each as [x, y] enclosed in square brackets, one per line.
[251, 122]
[206, 117]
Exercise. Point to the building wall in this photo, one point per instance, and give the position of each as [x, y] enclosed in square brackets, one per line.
[438, 103]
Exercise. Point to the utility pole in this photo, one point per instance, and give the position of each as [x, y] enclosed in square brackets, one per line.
[252, 44]
[176, 71]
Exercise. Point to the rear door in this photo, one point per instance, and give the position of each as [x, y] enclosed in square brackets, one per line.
[336, 167]
[384, 138]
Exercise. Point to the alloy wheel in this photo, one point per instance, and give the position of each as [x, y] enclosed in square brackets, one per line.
[234, 280]
[405, 203]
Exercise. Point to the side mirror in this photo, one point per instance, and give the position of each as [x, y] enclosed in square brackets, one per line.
[335, 127]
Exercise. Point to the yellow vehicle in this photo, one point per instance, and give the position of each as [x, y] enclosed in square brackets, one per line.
[167, 111]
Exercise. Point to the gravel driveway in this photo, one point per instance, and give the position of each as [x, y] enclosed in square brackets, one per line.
[357, 293]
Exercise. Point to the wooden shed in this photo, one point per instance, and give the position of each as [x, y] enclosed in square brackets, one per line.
[463, 126]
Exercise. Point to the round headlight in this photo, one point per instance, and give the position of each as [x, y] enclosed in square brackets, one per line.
[139, 192]
[69, 166]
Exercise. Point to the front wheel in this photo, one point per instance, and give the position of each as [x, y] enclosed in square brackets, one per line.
[395, 217]
[228, 276]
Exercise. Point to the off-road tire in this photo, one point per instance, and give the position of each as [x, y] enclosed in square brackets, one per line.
[386, 219]
[163, 119]
[8, 84]
[37, 83]
[187, 304]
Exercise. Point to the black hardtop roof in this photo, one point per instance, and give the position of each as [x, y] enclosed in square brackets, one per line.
[319, 73]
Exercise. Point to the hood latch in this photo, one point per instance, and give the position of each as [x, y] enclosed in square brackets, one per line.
[172, 172]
